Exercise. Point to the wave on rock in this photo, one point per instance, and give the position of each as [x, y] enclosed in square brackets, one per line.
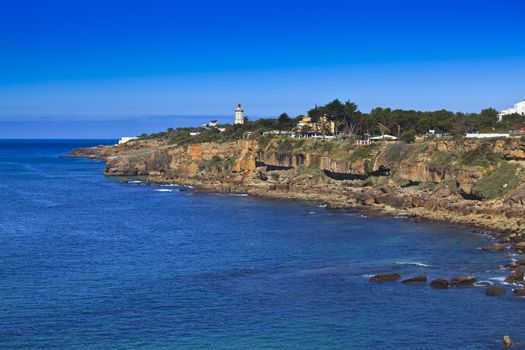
[412, 263]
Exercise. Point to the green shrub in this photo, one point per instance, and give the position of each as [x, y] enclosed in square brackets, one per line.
[304, 171]
[442, 161]
[483, 155]
[396, 152]
[274, 176]
[409, 136]
[363, 152]
[498, 183]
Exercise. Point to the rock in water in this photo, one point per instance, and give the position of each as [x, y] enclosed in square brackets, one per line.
[463, 281]
[506, 341]
[415, 280]
[515, 277]
[494, 291]
[439, 283]
[520, 262]
[519, 292]
[385, 278]
[493, 248]
[520, 245]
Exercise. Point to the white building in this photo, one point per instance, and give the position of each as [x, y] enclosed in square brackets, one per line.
[239, 114]
[383, 138]
[126, 139]
[518, 108]
[486, 136]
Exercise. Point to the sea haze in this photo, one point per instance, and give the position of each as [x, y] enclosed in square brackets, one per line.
[90, 262]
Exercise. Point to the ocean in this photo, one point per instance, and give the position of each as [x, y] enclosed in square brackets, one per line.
[90, 262]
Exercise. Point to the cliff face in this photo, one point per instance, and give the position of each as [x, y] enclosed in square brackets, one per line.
[476, 182]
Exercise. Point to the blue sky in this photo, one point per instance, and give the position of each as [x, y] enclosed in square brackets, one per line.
[69, 63]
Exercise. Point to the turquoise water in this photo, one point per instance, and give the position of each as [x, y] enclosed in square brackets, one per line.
[88, 262]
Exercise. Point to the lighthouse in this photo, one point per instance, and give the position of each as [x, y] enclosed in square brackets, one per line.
[239, 114]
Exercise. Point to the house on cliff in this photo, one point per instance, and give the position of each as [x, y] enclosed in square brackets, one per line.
[519, 108]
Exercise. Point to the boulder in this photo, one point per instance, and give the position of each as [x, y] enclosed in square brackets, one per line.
[519, 292]
[519, 245]
[439, 283]
[506, 341]
[520, 262]
[515, 277]
[510, 265]
[463, 281]
[415, 280]
[385, 278]
[494, 291]
[520, 269]
[493, 248]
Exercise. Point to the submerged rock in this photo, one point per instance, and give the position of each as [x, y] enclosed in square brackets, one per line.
[494, 291]
[463, 281]
[520, 262]
[385, 278]
[439, 283]
[519, 292]
[493, 248]
[415, 280]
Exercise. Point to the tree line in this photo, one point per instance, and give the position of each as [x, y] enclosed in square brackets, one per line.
[350, 121]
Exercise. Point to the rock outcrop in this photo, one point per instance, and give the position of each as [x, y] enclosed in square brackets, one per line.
[440, 283]
[494, 291]
[385, 278]
[415, 280]
[463, 281]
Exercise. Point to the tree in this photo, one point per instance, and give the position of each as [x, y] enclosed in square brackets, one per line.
[459, 126]
[409, 136]
[284, 121]
[315, 113]
[350, 116]
[383, 129]
[488, 118]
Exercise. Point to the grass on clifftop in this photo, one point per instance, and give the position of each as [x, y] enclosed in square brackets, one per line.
[498, 183]
[483, 156]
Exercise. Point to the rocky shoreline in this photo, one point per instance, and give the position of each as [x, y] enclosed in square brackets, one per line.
[368, 183]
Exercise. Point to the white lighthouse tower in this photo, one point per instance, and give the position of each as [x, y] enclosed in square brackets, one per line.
[239, 114]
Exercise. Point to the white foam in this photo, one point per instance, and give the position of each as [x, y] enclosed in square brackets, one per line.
[163, 190]
[501, 280]
[413, 263]
[481, 283]
[134, 182]
[322, 205]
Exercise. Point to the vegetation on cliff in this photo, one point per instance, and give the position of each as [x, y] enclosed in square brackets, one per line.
[348, 121]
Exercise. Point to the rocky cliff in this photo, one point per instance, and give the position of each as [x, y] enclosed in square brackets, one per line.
[471, 182]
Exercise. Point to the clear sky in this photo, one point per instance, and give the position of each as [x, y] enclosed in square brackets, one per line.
[67, 63]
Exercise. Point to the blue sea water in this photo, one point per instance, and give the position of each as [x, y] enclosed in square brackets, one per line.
[88, 262]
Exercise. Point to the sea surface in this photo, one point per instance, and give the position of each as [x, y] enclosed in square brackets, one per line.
[91, 262]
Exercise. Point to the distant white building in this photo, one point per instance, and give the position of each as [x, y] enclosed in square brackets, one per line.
[486, 136]
[519, 108]
[383, 138]
[211, 124]
[239, 114]
[126, 139]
